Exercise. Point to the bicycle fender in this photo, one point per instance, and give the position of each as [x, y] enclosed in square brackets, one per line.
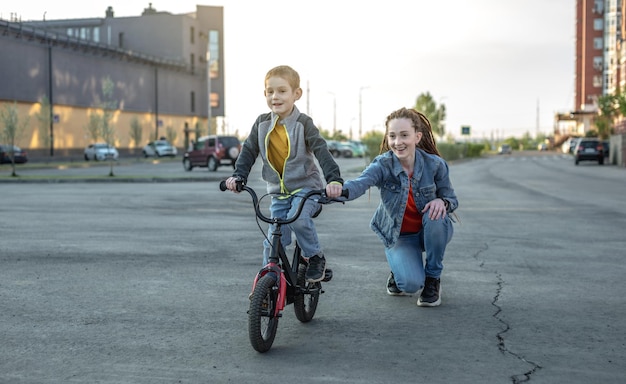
[282, 295]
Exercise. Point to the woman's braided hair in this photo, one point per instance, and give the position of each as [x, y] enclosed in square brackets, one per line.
[420, 123]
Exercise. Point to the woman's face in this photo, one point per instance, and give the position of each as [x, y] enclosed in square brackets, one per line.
[403, 138]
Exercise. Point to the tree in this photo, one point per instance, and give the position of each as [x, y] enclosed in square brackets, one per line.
[170, 134]
[108, 108]
[44, 118]
[609, 106]
[372, 141]
[436, 114]
[93, 127]
[12, 130]
[100, 124]
[136, 131]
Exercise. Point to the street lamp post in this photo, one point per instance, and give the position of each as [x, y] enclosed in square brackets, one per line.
[334, 113]
[208, 81]
[50, 83]
[361, 110]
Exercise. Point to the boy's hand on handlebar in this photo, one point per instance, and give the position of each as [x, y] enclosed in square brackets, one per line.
[333, 190]
[231, 184]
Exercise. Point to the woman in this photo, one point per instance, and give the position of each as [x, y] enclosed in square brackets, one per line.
[416, 200]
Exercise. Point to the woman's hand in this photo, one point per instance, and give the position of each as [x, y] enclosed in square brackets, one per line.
[436, 209]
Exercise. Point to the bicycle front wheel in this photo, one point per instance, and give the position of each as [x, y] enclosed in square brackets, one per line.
[262, 322]
[305, 301]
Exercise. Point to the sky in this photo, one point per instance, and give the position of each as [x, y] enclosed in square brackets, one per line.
[502, 67]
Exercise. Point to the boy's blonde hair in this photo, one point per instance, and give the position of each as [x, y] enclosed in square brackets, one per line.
[287, 73]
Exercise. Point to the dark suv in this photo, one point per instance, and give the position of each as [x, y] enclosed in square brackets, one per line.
[589, 149]
[211, 152]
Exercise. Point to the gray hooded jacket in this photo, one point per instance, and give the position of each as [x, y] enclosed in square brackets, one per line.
[305, 145]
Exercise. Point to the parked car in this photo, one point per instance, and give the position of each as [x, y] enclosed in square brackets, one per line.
[346, 149]
[606, 146]
[159, 148]
[100, 152]
[504, 149]
[589, 149]
[16, 153]
[542, 147]
[333, 147]
[360, 148]
[212, 152]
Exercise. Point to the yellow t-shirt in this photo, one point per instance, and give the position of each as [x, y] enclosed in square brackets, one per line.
[278, 148]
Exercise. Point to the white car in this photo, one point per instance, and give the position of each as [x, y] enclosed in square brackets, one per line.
[100, 151]
[504, 149]
[159, 148]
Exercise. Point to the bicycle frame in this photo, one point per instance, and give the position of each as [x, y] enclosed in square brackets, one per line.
[278, 261]
[281, 282]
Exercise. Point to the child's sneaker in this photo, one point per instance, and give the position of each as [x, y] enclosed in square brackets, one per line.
[316, 269]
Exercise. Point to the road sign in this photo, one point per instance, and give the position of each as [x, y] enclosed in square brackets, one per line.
[465, 130]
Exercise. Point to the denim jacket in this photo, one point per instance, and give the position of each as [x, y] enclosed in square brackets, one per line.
[430, 181]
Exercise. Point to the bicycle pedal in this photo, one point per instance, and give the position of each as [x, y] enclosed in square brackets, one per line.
[328, 275]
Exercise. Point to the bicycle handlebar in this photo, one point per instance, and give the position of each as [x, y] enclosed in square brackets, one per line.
[255, 200]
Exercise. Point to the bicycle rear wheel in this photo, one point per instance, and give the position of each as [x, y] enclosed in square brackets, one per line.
[305, 304]
[262, 322]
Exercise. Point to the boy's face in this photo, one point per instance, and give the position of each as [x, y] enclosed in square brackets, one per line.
[280, 96]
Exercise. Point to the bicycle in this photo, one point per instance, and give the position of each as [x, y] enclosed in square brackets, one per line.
[281, 282]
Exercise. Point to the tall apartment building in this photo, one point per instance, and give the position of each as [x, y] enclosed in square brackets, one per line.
[162, 66]
[600, 60]
[590, 56]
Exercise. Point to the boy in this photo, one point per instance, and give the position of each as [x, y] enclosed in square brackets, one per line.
[288, 143]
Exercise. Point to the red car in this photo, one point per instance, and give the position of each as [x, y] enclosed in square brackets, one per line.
[212, 152]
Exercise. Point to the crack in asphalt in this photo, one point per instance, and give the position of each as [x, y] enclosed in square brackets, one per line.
[518, 378]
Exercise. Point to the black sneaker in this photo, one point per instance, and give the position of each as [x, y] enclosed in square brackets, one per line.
[431, 294]
[392, 288]
[316, 270]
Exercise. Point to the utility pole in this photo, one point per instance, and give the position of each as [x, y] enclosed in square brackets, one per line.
[537, 128]
[208, 81]
[361, 110]
[334, 113]
[308, 97]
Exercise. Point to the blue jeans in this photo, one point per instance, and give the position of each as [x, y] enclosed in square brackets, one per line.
[303, 228]
[405, 257]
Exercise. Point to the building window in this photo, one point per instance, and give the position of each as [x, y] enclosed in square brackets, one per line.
[192, 62]
[193, 102]
[598, 6]
[84, 33]
[215, 100]
[598, 24]
[597, 43]
[120, 40]
[597, 63]
[192, 35]
[214, 51]
[96, 34]
[597, 81]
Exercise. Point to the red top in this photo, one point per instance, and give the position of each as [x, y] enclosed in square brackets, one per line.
[412, 220]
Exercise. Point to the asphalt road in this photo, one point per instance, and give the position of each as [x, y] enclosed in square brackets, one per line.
[147, 283]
